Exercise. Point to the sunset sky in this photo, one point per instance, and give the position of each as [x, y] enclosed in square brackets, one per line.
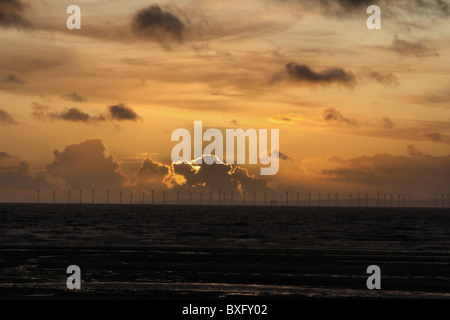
[357, 109]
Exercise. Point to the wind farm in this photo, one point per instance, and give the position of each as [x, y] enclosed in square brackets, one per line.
[192, 197]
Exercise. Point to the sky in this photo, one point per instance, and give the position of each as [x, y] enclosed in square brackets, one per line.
[357, 110]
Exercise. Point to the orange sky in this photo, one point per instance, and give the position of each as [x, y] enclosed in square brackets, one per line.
[357, 109]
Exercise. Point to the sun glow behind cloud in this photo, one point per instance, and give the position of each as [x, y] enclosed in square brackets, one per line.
[331, 86]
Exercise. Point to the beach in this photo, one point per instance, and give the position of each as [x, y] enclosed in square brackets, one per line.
[222, 252]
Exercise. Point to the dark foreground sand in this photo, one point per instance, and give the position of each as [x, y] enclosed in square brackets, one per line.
[194, 273]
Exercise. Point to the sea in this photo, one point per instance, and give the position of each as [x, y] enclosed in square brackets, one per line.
[223, 252]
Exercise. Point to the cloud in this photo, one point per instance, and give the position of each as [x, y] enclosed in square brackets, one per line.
[215, 177]
[18, 177]
[5, 155]
[72, 114]
[118, 112]
[152, 175]
[10, 78]
[342, 9]
[73, 97]
[410, 48]
[86, 165]
[281, 155]
[285, 118]
[387, 123]
[159, 25]
[304, 74]
[386, 79]
[437, 137]
[331, 115]
[6, 118]
[415, 172]
[11, 12]
[122, 112]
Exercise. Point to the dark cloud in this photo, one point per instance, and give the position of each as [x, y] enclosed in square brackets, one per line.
[159, 25]
[386, 79]
[387, 123]
[416, 172]
[305, 74]
[73, 97]
[11, 14]
[85, 165]
[118, 112]
[281, 155]
[437, 137]
[5, 155]
[122, 112]
[215, 177]
[6, 118]
[18, 177]
[332, 115]
[152, 175]
[10, 78]
[72, 114]
[413, 48]
[342, 9]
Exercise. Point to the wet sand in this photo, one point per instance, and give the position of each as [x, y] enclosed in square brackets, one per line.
[196, 273]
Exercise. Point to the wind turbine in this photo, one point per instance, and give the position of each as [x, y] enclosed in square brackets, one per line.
[93, 196]
[120, 197]
[254, 198]
[328, 199]
[392, 200]
[358, 199]
[220, 198]
[384, 196]
[210, 198]
[143, 197]
[190, 197]
[153, 198]
[224, 199]
[244, 198]
[164, 197]
[287, 198]
[309, 198]
[131, 197]
[54, 196]
[107, 196]
[200, 197]
[68, 196]
[351, 198]
[367, 199]
[81, 191]
[336, 203]
[265, 198]
[38, 195]
[232, 196]
[442, 200]
[319, 198]
[378, 199]
[297, 199]
[178, 196]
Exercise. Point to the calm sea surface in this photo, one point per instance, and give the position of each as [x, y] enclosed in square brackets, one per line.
[223, 251]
